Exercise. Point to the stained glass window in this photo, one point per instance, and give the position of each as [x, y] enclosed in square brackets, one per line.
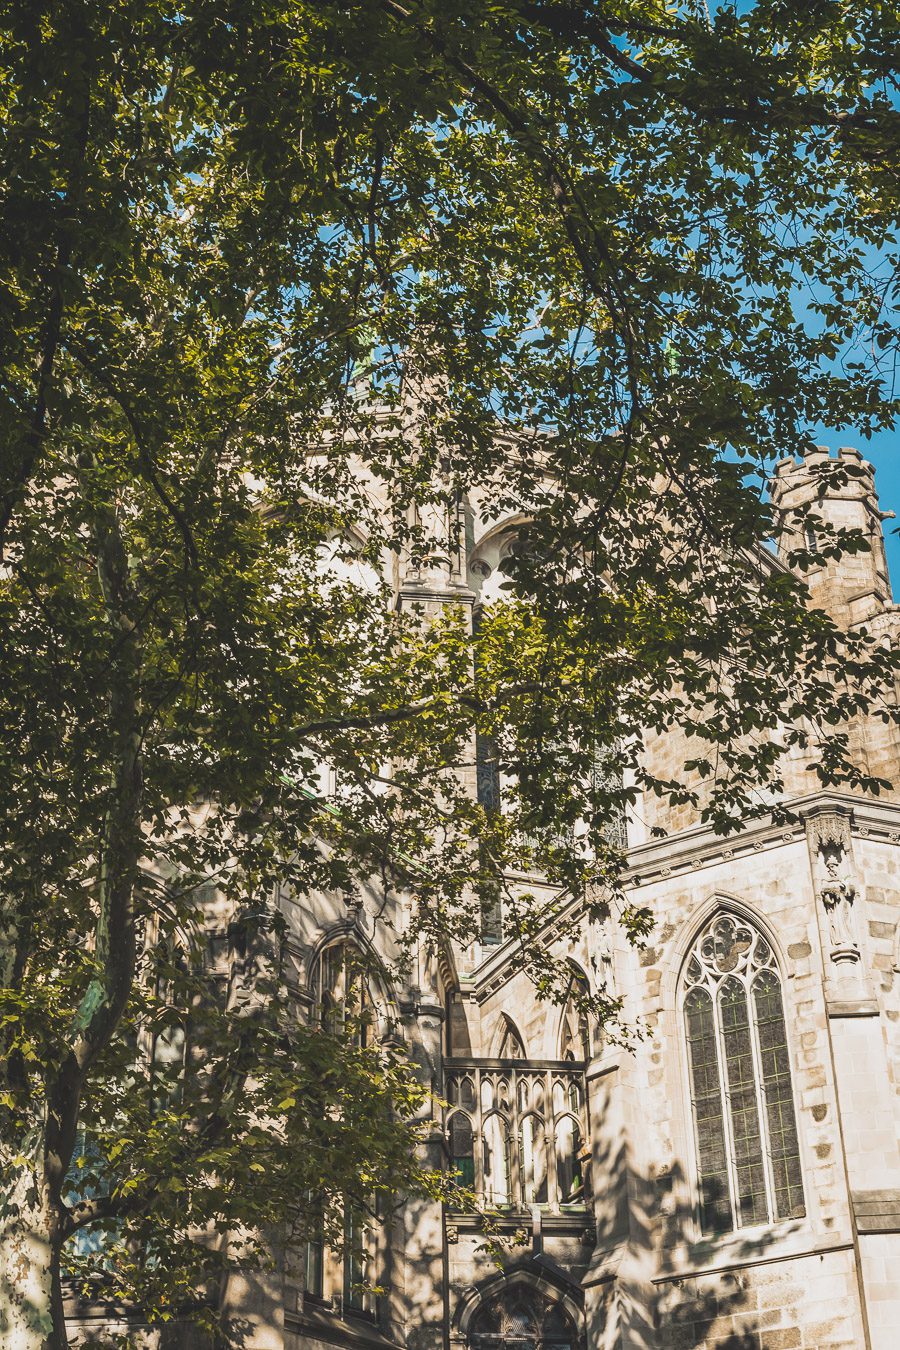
[343, 992]
[748, 1157]
[487, 773]
[784, 1150]
[462, 1148]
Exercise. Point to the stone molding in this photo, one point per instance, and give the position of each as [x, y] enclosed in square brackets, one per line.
[781, 1251]
[876, 1211]
[330, 1327]
[697, 847]
[690, 850]
[852, 1007]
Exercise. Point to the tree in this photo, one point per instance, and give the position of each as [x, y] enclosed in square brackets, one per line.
[281, 282]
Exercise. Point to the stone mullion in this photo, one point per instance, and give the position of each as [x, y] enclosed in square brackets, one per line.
[516, 1171]
[727, 1123]
[478, 1136]
[550, 1144]
[761, 1105]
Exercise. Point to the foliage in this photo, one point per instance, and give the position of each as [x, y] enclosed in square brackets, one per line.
[280, 285]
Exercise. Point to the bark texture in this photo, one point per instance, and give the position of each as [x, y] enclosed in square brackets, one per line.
[31, 1312]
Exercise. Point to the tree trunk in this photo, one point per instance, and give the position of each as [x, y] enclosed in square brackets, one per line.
[31, 1315]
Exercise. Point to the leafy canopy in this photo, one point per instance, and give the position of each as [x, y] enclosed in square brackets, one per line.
[281, 286]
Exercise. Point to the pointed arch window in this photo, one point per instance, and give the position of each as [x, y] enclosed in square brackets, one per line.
[745, 1127]
[511, 1044]
[574, 1031]
[520, 1319]
[343, 992]
[495, 1160]
[350, 1004]
[462, 1148]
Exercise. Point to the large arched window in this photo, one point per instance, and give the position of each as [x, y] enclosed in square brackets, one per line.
[349, 1003]
[745, 1128]
[519, 1319]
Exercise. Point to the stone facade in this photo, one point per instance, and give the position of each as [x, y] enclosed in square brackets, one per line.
[606, 1241]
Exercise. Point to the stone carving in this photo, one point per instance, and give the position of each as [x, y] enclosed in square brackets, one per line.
[832, 862]
[838, 894]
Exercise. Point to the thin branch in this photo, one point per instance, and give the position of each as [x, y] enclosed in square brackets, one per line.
[390, 716]
[145, 459]
[31, 444]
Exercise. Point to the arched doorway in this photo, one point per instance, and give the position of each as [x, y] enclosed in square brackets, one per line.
[520, 1319]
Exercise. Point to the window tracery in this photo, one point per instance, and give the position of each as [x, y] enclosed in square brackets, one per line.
[520, 1319]
[574, 1032]
[515, 1133]
[511, 1044]
[745, 1129]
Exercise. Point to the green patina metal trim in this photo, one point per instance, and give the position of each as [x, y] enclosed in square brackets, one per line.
[94, 998]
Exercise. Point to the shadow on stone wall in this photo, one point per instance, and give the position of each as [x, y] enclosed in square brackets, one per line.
[641, 1296]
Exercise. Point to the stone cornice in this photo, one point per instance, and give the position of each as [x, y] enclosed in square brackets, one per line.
[690, 851]
[496, 970]
[698, 847]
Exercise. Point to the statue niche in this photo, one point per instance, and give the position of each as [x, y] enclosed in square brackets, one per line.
[830, 847]
[837, 895]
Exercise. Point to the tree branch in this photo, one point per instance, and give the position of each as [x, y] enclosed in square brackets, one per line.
[390, 716]
[107, 994]
[31, 443]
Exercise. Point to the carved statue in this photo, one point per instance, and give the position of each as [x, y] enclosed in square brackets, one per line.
[831, 855]
[837, 895]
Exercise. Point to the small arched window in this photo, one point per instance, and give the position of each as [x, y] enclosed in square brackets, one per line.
[574, 1032]
[343, 992]
[533, 1160]
[462, 1148]
[511, 1044]
[745, 1127]
[495, 1160]
[569, 1180]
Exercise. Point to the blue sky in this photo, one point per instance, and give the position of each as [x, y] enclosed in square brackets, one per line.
[883, 450]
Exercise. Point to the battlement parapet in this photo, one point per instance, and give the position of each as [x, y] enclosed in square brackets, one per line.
[817, 472]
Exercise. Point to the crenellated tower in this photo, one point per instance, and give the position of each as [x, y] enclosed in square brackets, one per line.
[838, 492]
[820, 489]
